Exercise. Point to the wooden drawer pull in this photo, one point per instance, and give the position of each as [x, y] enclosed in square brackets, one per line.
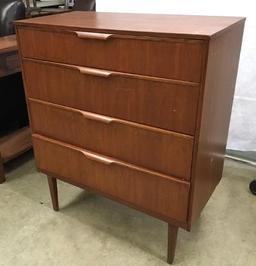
[100, 118]
[93, 35]
[97, 158]
[94, 72]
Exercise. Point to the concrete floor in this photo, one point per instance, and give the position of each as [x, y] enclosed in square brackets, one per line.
[92, 230]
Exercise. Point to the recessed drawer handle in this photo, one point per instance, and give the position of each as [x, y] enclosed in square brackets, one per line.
[97, 158]
[100, 118]
[94, 72]
[93, 35]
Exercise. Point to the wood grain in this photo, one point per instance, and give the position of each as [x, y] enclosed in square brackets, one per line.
[52, 182]
[8, 44]
[17, 142]
[182, 59]
[14, 144]
[126, 182]
[126, 141]
[172, 240]
[114, 92]
[214, 117]
[9, 63]
[182, 26]
[164, 104]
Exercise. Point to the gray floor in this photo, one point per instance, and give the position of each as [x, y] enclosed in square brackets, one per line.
[91, 230]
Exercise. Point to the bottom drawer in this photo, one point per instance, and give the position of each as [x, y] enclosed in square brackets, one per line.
[154, 193]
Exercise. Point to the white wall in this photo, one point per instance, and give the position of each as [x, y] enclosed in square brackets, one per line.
[242, 135]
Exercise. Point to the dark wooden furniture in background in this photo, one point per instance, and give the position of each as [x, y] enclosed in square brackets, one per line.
[15, 142]
[135, 107]
[9, 61]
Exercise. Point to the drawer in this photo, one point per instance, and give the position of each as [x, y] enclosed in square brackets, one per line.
[167, 58]
[9, 63]
[140, 99]
[159, 194]
[159, 150]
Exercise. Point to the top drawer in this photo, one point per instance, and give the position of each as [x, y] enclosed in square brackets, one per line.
[166, 58]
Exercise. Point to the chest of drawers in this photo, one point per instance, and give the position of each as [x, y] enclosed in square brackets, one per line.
[134, 107]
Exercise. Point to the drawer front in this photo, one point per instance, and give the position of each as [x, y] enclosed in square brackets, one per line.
[156, 103]
[158, 150]
[9, 63]
[151, 192]
[166, 58]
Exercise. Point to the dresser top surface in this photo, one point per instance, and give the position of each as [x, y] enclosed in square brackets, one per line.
[200, 27]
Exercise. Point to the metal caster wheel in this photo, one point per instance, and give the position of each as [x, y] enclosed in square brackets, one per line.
[253, 187]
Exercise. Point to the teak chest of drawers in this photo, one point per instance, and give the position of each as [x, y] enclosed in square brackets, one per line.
[135, 107]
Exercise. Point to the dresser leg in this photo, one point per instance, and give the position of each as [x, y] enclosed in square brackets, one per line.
[54, 192]
[2, 175]
[172, 239]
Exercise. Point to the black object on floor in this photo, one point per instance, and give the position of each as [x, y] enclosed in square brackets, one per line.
[253, 187]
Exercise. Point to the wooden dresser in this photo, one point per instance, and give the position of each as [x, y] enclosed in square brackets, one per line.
[134, 107]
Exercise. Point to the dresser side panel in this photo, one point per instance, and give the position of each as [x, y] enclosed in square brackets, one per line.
[214, 117]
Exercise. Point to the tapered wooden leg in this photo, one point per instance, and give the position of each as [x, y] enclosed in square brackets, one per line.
[172, 239]
[54, 192]
[2, 175]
